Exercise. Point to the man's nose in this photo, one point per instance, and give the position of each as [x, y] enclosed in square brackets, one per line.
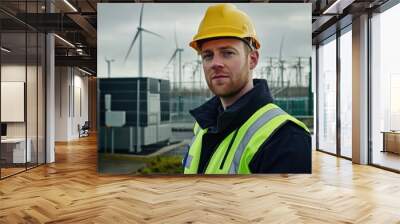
[217, 62]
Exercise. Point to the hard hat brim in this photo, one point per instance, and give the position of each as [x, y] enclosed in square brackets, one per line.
[194, 43]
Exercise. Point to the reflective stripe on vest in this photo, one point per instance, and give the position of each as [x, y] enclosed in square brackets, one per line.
[250, 136]
[250, 132]
[190, 157]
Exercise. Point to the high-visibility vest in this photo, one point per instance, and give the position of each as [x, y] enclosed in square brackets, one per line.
[235, 152]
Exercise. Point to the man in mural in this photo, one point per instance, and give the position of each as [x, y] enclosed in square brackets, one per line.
[240, 130]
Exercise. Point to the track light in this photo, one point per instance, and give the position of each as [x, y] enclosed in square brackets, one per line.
[337, 7]
[64, 40]
[70, 5]
[84, 71]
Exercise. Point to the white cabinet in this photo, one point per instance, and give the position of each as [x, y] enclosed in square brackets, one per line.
[19, 153]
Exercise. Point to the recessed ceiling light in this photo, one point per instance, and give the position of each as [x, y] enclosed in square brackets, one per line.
[5, 50]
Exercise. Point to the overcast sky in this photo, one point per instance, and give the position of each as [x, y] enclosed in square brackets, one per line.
[118, 22]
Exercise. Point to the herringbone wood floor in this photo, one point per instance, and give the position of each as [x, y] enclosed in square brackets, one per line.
[71, 191]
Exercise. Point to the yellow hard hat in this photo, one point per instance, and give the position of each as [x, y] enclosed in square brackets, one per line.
[225, 20]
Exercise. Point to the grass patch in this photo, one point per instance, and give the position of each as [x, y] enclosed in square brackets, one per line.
[163, 165]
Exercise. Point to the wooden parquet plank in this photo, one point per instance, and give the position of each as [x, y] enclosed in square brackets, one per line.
[71, 191]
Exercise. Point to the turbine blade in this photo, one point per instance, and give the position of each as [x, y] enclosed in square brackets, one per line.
[281, 47]
[131, 46]
[172, 57]
[141, 15]
[176, 40]
[150, 32]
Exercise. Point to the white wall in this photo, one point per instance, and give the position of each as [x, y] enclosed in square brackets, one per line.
[62, 81]
[71, 93]
[81, 84]
[12, 73]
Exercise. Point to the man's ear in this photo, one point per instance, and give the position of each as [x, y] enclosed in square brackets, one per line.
[253, 59]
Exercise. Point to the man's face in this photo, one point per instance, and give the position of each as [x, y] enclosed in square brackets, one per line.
[227, 64]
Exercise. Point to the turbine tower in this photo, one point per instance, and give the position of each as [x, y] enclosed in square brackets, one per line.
[281, 62]
[269, 69]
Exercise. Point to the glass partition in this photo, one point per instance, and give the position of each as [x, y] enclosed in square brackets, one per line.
[13, 104]
[22, 90]
[327, 96]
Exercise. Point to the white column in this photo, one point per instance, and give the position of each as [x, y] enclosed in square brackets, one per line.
[50, 92]
[50, 98]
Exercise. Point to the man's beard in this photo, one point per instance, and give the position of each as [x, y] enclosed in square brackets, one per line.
[228, 94]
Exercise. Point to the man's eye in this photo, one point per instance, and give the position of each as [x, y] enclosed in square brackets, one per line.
[206, 56]
[228, 53]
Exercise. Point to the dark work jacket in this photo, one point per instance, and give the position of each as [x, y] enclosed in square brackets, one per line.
[288, 150]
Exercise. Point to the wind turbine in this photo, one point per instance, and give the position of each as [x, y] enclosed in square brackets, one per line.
[196, 70]
[266, 71]
[177, 52]
[139, 34]
[299, 67]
